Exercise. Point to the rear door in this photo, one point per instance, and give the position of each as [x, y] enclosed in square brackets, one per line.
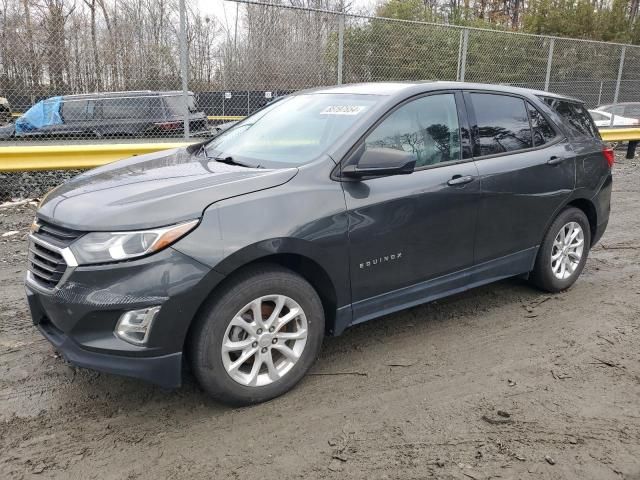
[527, 171]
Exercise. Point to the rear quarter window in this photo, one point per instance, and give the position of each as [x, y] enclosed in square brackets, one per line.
[175, 104]
[576, 118]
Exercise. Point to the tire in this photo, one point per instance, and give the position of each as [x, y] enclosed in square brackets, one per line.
[543, 275]
[229, 318]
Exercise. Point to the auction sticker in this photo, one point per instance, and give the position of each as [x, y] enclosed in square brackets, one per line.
[342, 110]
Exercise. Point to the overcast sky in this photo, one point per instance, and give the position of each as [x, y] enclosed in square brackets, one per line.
[225, 11]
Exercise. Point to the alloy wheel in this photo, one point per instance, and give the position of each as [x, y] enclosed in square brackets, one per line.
[264, 340]
[567, 250]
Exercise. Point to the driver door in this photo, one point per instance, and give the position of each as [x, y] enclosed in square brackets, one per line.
[412, 235]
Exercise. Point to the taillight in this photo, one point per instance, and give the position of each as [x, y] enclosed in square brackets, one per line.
[169, 125]
[609, 156]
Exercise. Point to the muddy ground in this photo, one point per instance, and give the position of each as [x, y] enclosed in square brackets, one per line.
[412, 395]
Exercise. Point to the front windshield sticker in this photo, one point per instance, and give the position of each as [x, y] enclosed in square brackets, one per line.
[342, 110]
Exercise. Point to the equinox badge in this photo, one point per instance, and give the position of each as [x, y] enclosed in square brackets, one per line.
[379, 260]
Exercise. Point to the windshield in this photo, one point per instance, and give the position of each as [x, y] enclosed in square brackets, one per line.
[291, 131]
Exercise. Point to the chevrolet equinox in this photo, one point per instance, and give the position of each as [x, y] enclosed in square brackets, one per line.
[328, 208]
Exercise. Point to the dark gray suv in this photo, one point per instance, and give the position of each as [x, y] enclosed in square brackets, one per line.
[325, 209]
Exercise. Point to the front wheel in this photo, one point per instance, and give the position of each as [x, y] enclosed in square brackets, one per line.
[563, 252]
[259, 337]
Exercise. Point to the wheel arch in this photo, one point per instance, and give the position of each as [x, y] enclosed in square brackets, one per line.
[581, 203]
[308, 268]
[589, 209]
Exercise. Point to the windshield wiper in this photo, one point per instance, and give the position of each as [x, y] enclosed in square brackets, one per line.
[231, 161]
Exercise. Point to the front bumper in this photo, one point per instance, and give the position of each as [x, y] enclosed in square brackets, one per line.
[80, 316]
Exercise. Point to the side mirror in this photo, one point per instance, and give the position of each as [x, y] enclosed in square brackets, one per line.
[381, 161]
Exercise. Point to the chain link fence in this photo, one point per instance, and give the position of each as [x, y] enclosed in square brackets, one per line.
[104, 71]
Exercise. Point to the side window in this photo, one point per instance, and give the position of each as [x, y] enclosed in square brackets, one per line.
[427, 127]
[156, 109]
[74, 110]
[503, 124]
[124, 108]
[576, 117]
[543, 132]
[598, 117]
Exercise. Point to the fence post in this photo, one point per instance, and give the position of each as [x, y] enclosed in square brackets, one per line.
[549, 62]
[600, 93]
[459, 55]
[615, 96]
[184, 67]
[340, 47]
[463, 60]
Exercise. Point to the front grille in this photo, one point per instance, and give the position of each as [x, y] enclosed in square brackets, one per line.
[59, 236]
[47, 264]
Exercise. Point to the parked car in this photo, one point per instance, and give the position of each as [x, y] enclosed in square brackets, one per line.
[5, 110]
[626, 109]
[606, 119]
[328, 208]
[137, 114]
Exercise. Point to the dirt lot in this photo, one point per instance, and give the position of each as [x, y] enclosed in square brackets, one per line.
[499, 382]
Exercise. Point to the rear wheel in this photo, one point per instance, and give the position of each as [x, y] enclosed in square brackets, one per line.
[259, 337]
[563, 252]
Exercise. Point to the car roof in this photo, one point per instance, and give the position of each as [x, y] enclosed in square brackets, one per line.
[395, 88]
[124, 94]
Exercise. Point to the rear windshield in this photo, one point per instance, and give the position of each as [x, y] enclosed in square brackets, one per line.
[175, 104]
[576, 117]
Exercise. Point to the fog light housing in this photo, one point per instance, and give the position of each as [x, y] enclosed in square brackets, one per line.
[134, 326]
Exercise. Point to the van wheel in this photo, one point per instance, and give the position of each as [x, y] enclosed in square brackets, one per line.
[259, 336]
[563, 252]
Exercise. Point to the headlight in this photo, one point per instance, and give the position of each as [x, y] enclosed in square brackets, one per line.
[104, 247]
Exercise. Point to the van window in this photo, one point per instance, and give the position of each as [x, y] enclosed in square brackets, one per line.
[503, 124]
[577, 117]
[175, 105]
[74, 110]
[124, 108]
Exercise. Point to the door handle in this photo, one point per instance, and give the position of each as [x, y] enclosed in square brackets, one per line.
[554, 160]
[459, 180]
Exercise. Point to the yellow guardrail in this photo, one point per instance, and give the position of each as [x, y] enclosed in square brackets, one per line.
[227, 118]
[66, 157]
[620, 134]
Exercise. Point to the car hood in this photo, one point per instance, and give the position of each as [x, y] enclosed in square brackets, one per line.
[152, 190]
